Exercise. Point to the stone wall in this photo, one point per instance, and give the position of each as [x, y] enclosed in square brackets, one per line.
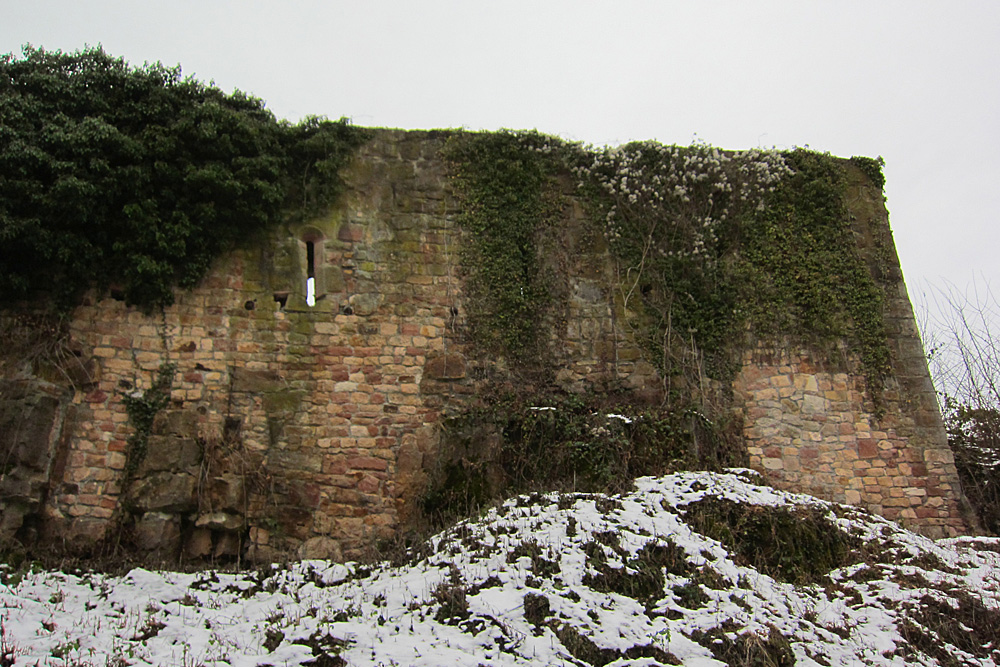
[309, 429]
[812, 427]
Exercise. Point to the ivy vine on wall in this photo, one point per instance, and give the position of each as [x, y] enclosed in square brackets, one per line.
[504, 181]
[716, 249]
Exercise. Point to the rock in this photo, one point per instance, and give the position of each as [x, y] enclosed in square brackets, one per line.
[350, 232]
[166, 452]
[320, 548]
[82, 373]
[219, 521]
[165, 492]
[227, 545]
[199, 544]
[227, 493]
[256, 381]
[159, 534]
[183, 423]
[364, 304]
[408, 459]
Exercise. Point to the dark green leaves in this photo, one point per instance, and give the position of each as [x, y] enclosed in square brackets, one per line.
[114, 175]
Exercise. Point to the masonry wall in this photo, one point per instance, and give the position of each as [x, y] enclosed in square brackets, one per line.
[309, 430]
[811, 426]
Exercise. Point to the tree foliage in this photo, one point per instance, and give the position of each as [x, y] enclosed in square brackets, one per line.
[136, 177]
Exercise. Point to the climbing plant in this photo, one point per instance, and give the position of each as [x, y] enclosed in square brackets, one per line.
[673, 217]
[136, 177]
[712, 247]
[142, 408]
[504, 180]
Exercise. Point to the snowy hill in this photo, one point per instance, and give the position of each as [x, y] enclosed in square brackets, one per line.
[696, 569]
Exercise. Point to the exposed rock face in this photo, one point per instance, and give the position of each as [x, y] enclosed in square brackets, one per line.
[32, 413]
[311, 429]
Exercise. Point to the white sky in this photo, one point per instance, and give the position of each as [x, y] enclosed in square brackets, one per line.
[914, 81]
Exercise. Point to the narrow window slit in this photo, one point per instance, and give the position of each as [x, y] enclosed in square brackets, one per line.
[310, 273]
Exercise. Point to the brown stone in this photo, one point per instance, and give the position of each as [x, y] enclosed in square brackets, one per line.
[350, 233]
[165, 492]
[867, 448]
[165, 452]
[446, 367]
[320, 548]
[227, 545]
[198, 544]
[256, 381]
[219, 521]
[158, 534]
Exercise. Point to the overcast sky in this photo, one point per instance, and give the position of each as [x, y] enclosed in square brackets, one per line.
[916, 82]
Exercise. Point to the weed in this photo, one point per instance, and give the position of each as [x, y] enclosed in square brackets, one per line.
[748, 649]
[795, 546]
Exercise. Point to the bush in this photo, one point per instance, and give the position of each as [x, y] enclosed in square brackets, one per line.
[112, 175]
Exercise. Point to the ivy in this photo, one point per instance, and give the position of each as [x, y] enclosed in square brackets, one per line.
[872, 168]
[138, 178]
[716, 251]
[803, 275]
[553, 441]
[142, 410]
[504, 182]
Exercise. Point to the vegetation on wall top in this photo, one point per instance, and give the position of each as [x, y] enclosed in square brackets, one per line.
[715, 252]
[136, 177]
[710, 245]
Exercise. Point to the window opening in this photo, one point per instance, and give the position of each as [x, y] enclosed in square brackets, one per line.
[310, 273]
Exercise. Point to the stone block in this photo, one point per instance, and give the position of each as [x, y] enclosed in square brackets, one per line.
[219, 521]
[158, 534]
[227, 493]
[449, 366]
[198, 544]
[812, 404]
[165, 453]
[227, 545]
[867, 448]
[320, 548]
[256, 381]
[165, 492]
[176, 422]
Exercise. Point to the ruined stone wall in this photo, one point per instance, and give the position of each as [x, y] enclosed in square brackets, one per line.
[298, 429]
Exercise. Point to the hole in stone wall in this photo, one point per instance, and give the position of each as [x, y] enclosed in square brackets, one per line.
[231, 429]
[282, 299]
[251, 304]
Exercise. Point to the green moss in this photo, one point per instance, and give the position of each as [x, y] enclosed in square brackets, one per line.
[284, 401]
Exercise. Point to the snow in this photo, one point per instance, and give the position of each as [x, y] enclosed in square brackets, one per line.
[464, 604]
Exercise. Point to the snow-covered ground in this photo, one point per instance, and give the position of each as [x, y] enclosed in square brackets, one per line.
[556, 579]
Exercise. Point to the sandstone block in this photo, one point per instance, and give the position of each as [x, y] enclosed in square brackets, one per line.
[165, 492]
[446, 367]
[164, 452]
[320, 548]
[219, 521]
